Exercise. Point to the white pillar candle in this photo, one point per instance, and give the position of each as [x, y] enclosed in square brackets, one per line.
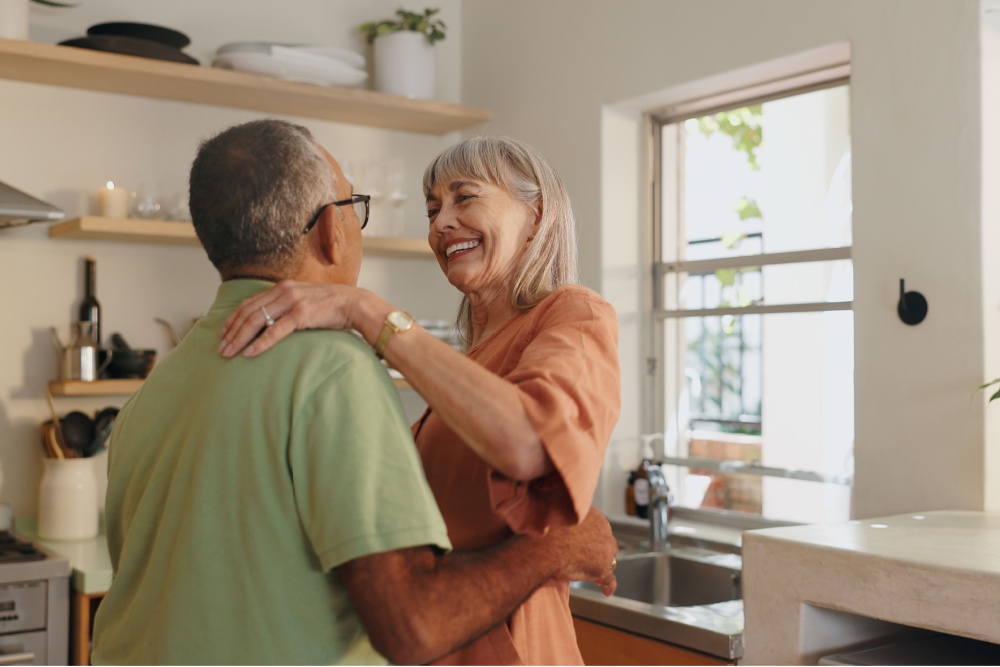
[112, 201]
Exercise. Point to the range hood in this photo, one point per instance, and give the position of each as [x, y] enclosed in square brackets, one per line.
[20, 208]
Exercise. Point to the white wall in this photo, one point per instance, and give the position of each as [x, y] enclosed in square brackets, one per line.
[62, 144]
[991, 236]
[551, 72]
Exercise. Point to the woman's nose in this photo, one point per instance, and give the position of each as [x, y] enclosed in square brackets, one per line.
[445, 219]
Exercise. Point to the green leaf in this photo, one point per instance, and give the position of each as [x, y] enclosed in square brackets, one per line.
[748, 209]
[730, 239]
[726, 277]
[406, 20]
[989, 384]
[743, 296]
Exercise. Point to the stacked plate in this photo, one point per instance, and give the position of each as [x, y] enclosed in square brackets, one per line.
[135, 39]
[304, 63]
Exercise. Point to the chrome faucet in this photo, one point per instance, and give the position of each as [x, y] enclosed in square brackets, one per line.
[659, 508]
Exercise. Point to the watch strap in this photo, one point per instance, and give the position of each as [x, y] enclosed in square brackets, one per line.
[389, 328]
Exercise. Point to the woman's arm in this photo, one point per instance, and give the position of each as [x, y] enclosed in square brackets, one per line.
[483, 409]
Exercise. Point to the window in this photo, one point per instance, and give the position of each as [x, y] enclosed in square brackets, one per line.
[753, 287]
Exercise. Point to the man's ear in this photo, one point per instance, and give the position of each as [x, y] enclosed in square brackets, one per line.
[332, 242]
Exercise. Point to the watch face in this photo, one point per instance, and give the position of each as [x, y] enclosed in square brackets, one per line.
[400, 319]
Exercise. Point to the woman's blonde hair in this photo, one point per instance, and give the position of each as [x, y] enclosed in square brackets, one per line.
[521, 171]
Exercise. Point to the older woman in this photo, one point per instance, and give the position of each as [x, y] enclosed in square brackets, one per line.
[516, 428]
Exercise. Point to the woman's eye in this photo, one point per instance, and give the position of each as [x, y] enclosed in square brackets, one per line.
[431, 212]
[459, 198]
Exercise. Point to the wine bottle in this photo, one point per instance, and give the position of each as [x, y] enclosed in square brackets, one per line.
[90, 307]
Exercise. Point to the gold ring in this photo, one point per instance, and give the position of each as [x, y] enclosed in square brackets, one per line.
[614, 563]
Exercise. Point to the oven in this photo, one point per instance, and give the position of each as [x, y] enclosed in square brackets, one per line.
[34, 604]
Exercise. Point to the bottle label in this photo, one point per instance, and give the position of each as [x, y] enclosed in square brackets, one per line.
[641, 490]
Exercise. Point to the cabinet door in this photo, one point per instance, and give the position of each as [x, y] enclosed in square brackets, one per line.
[603, 645]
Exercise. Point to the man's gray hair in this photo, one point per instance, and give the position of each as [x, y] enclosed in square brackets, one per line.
[253, 189]
[521, 171]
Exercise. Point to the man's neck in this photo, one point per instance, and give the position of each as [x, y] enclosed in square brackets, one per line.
[251, 276]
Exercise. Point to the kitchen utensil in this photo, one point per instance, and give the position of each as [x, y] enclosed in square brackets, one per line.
[78, 430]
[56, 426]
[130, 46]
[154, 33]
[103, 423]
[118, 342]
[79, 359]
[49, 443]
[132, 364]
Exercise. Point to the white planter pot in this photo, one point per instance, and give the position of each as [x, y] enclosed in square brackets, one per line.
[14, 19]
[404, 65]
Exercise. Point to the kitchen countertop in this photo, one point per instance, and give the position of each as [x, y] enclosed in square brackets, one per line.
[815, 590]
[89, 558]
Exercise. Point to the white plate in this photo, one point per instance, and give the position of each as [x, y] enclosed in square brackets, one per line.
[332, 73]
[343, 55]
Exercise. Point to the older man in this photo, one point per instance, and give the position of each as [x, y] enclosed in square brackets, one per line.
[273, 510]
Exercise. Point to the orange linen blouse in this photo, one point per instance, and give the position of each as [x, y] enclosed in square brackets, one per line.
[562, 355]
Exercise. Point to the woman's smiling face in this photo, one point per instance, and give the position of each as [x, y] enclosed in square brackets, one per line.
[478, 232]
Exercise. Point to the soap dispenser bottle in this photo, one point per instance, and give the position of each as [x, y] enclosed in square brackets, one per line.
[640, 488]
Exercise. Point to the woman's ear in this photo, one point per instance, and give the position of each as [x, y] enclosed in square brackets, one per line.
[537, 208]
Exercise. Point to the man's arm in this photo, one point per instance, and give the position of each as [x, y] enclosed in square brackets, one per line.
[417, 605]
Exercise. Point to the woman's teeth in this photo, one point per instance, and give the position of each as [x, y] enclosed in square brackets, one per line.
[464, 245]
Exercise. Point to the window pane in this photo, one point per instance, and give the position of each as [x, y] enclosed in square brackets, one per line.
[779, 172]
[773, 390]
[775, 285]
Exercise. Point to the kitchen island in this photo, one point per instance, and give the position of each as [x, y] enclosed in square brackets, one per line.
[813, 591]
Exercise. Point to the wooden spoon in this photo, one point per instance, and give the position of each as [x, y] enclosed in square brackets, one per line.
[56, 426]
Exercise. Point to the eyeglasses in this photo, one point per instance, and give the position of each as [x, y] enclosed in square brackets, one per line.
[360, 203]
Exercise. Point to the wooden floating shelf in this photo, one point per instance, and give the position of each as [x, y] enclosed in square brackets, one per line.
[72, 67]
[96, 228]
[94, 388]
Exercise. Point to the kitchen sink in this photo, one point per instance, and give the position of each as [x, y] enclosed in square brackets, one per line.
[671, 579]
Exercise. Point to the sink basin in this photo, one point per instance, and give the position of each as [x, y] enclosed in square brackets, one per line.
[672, 580]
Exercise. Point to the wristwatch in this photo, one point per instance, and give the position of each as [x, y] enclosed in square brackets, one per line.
[397, 321]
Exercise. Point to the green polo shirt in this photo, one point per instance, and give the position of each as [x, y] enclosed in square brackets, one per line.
[235, 486]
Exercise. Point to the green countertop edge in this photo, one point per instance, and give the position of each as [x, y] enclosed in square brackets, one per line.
[89, 557]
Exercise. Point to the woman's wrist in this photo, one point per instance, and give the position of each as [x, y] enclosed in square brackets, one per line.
[369, 313]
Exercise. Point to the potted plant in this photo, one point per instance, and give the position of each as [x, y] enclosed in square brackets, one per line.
[404, 52]
[14, 16]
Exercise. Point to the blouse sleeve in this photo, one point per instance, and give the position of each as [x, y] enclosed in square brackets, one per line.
[570, 385]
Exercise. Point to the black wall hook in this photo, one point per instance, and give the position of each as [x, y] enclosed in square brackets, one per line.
[912, 306]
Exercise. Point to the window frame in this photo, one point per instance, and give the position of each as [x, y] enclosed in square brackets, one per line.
[663, 306]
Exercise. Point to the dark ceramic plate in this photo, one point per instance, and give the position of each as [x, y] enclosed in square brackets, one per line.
[154, 33]
[130, 46]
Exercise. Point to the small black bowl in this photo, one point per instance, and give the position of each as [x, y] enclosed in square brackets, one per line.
[131, 363]
[155, 33]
